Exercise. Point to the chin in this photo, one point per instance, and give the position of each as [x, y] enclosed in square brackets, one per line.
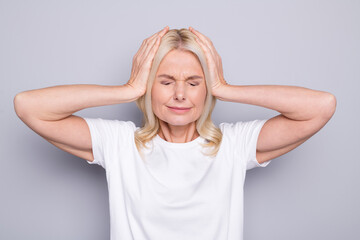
[178, 122]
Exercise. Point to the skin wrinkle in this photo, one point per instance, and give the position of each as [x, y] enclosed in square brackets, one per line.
[172, 88]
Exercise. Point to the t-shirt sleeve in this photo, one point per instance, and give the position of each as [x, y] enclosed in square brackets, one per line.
[245, 136]
[106, 135]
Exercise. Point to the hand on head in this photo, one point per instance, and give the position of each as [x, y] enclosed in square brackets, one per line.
[142, 62]
[213, 60]
[143, 59]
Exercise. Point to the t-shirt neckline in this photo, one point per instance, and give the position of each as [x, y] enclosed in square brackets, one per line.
[163, 142]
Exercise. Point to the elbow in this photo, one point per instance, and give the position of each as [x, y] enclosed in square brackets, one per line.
[19, 107]
[328, 106]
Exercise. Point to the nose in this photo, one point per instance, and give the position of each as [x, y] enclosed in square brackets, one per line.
[179, 93]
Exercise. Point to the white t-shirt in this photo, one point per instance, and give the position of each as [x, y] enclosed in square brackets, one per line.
[177, 193]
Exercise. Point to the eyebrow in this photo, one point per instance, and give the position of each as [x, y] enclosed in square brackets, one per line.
[171, 77]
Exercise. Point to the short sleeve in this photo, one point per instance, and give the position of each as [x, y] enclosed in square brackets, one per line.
[245, 136]
[106, 135]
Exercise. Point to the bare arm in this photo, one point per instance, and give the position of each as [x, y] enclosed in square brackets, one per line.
[49, 112]
[296, 103]
[58, 102]
[303, 112]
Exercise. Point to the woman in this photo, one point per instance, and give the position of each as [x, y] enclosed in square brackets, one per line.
[178, 176]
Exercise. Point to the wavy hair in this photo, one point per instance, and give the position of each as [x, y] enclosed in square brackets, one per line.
[184, 40]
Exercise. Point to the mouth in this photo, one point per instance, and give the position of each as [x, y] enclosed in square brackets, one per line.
[179, 109]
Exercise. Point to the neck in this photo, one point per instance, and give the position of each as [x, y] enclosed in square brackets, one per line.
[178, 134]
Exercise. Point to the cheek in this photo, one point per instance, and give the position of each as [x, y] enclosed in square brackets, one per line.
[159, 96]
[200, 96]
[155, 103]
[155, 95]
[158, 100]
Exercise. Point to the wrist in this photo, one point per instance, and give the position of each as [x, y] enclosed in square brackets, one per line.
[220, 91]
[133, 91]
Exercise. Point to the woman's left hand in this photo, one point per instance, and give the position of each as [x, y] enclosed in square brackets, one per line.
[213, 61]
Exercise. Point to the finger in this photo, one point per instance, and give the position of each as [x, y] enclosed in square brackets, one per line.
[163, 31]
[202, 39]
[139, 50]
[160, 33]
[206, 48]
[155, 40]
[150, 41]
[147, 43]
[201, 36]
[153, 50]
[151, 46]
[208, 43]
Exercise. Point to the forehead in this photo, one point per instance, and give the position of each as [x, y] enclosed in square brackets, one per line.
[178, 62]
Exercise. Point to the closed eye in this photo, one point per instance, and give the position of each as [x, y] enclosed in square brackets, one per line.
[165, 83]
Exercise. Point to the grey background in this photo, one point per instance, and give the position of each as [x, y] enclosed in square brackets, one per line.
[309, 193]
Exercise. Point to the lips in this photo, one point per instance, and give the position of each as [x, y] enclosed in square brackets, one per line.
[179, 108]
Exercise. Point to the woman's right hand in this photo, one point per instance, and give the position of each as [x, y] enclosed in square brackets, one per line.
[142, 62]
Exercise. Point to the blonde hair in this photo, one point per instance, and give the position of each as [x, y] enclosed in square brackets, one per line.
[184, 40]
